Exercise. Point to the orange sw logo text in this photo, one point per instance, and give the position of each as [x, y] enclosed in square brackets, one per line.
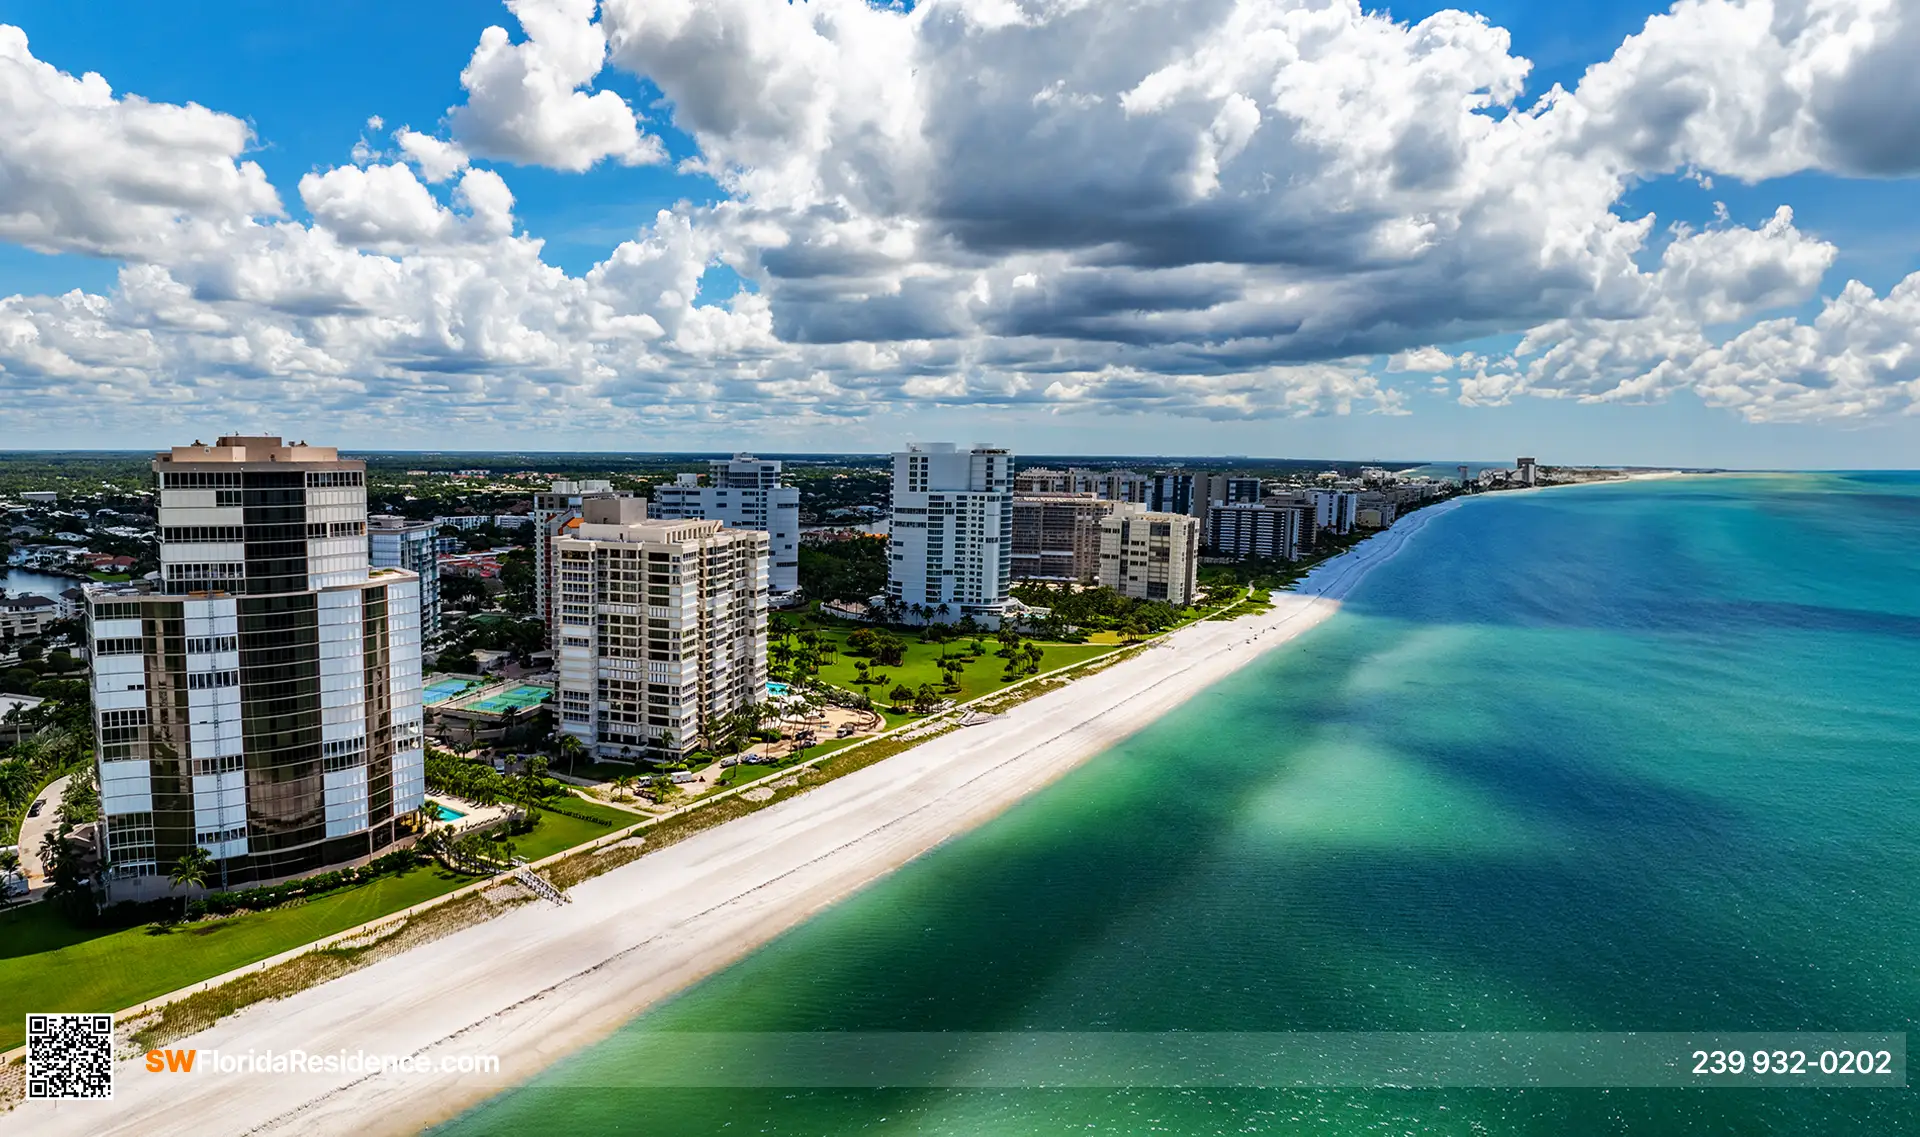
[170, 1061]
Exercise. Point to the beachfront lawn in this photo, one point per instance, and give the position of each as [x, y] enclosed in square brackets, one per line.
[980, 676]
[558, 832]
[49, 964]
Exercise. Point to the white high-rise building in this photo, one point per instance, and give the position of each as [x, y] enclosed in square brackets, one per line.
[745, 493]
[662, 628]
[1334, 509]
[262, 699]
[551, 513]
[952, 541]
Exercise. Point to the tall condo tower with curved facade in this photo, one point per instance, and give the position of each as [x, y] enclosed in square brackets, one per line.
[260, 699]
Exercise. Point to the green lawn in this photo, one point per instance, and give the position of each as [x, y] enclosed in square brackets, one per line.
[557, 831]
[604, 771]
[48, 964]
[982, 676]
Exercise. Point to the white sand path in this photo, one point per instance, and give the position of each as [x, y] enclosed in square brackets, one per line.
[544, 981]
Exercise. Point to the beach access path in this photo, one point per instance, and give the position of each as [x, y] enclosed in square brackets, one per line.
[543, 981]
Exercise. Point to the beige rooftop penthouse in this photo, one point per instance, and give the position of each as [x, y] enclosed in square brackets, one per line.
[241, 448]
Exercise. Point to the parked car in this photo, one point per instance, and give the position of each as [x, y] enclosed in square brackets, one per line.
[34, 809]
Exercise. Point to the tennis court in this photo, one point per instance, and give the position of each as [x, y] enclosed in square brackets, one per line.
[444, 690]
[518, 699]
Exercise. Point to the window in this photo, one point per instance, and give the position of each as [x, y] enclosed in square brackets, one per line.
[199, 645]
[208, 680]
[116, 611]
[320, 479]
[347, 529]
[225, 764]
[127, 646]
[225, 479]
[183, 534]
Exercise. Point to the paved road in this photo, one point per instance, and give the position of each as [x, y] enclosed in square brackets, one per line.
[34, 830]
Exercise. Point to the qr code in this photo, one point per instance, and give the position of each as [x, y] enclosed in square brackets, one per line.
[69, 1057]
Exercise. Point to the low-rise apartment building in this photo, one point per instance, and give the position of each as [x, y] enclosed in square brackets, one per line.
[26, 616]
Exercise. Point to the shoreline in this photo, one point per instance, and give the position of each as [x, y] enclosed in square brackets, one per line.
[541, 982]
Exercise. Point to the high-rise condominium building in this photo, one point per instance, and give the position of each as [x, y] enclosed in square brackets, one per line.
[1107, 485]
[1150, 556]
[1057, 536]
[745, 493]
[1274, 531]
[400, 542]
[1227, 489]
[952, 542]
[662, 628]
[1525, 471]
[1178, 493]
[1334, 509]
[262, 700]
[551, 512]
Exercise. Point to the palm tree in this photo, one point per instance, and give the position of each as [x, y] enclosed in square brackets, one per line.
[623, 785]
[190, 871]
[569, 748]
[424, 818]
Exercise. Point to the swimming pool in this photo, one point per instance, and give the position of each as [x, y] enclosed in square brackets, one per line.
[518, 699]
[776, 689]
[442, 813]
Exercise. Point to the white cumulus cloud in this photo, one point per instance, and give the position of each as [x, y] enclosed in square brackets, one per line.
[524, 102]
[1219, 209]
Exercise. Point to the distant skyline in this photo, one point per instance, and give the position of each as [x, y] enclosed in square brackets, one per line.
[1598, 232]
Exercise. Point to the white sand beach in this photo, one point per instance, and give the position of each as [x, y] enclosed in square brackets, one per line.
[543, 980]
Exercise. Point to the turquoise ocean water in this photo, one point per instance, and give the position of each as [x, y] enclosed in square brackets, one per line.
[1634, 757]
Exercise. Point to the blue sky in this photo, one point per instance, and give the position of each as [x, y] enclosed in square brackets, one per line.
[1126, 230]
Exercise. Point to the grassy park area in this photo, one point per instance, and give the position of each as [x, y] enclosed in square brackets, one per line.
[980, 674]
